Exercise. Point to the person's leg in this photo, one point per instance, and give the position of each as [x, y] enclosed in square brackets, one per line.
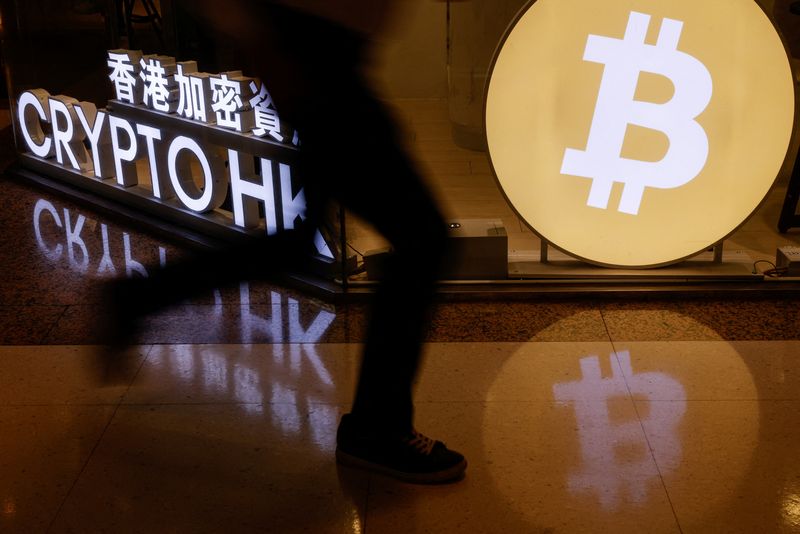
[363, 165]
[350, 152]
[350, 143]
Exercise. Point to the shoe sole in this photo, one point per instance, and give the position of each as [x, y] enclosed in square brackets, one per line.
[451, 474]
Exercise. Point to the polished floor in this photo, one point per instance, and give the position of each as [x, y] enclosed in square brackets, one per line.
[562, 436]
[635, 415]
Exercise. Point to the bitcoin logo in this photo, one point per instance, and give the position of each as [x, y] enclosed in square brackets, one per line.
[624, 60]
[633, 133]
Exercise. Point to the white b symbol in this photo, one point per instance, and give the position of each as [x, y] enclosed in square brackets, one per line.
[624, 59]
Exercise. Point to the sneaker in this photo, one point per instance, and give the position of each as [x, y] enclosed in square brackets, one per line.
[411, 458]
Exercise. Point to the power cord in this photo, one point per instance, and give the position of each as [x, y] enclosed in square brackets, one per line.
[354, 249]
[360, 265]
[775, 272]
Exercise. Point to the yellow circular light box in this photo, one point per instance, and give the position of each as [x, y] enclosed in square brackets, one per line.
[634, 133]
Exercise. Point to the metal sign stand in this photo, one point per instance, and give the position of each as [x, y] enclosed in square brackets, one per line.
[545, 249]
[789, 217]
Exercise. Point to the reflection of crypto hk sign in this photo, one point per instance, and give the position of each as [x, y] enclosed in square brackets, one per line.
[636, 134]
[616, 108]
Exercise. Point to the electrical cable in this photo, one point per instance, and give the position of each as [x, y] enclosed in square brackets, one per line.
[360, 267]
[775, 272]
[354, 249]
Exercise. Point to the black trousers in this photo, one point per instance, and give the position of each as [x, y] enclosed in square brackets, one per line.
[350, 153]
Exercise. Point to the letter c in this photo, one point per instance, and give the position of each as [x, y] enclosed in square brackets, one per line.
[53, 253]
[31, 126]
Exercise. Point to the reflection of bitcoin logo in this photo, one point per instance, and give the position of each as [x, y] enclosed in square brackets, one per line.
[618, 433]
[624, 60]
[601, 471]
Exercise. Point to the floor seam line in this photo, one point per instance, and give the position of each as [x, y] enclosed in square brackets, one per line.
[53, 326]
[647, 442]
[83, 469]
[605, 326]
[136, 374]
[99, 440]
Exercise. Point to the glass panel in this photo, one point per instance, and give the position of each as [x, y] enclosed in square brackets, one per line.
[438, 97]
[431, 68]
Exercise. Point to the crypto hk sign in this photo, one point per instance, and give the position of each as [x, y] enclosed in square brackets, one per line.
[636, 133]
[207, 151]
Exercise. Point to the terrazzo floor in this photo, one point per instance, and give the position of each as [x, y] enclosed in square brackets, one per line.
[562, 436]
[675, 415]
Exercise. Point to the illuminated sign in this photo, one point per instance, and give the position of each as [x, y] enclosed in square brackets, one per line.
[637, 134]
[177, 142]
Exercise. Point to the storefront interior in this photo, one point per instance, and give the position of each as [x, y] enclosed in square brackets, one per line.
[431, 67]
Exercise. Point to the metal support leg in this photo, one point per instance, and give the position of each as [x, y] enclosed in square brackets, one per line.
[343, 247]
[789, 217]
[718, 252]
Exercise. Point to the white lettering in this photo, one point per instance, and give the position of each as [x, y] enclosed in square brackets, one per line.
[251, 321]
[124, 73]
[323, 249]
[213, 192]
[231, 110]
[126, 174]
[78, 250]
[66, 138]
[106, 146]
[31, 124]
[131, 265]
[74, 238]
[96, 130]
[52, 253]
[267, 121]
[151, 135]
[246, 194]
[157, 74]
[293, 206]
[200, 88]
[106, 264]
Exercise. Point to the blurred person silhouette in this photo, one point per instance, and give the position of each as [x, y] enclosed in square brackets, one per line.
[311, 54]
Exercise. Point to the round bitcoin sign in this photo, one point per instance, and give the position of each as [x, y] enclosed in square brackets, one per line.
[635, 133]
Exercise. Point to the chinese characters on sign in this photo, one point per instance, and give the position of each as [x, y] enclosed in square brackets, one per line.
[228, 99]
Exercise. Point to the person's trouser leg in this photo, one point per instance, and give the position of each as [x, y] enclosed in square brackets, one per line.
[368, 171]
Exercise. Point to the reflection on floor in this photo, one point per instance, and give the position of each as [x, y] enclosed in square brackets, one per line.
[576, 416]
[644, 415]
[608, 436]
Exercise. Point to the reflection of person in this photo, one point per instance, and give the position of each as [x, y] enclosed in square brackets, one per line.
[310, 53]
